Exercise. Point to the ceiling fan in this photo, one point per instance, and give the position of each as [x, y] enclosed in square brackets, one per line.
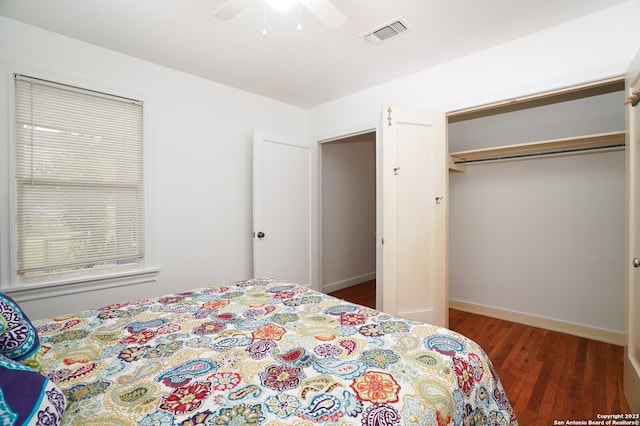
[324, 10]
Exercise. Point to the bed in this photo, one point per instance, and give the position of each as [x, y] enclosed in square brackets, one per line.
[263, 352]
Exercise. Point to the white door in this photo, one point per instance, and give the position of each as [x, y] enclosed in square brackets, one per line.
[632, 346]
[284, 208]
[413, 231]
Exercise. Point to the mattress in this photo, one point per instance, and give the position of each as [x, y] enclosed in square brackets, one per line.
[265, 352]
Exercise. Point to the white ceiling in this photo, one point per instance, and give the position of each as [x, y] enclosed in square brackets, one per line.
[303, 68]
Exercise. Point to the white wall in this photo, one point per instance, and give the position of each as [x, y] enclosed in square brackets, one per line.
[202, 133]
[541, 236]
[597, 46]
[348, 213]
[594, 47]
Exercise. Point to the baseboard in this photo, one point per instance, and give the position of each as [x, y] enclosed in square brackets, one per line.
[598, 334]
[339, 285]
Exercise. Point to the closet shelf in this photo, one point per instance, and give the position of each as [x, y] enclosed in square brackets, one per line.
[600, 142]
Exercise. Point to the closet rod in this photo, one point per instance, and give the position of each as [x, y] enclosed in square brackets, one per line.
[540, 154]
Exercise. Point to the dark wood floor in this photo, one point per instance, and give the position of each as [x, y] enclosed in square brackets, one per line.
[547, 375]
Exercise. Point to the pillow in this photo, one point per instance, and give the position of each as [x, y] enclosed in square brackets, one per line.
[18, 337]
[27, 397]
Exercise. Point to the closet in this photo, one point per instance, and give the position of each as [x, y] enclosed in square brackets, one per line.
[536, 202]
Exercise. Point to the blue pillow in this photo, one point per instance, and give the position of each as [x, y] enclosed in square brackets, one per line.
[27, 397]
[18, 337]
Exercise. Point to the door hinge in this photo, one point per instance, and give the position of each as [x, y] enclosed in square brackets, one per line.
[633, 98]
[389, 115]
[383, 241]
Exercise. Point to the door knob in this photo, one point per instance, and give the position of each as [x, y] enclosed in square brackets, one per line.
[636, 262]
[260, 234]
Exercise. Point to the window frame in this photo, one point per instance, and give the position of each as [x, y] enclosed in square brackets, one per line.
[10, 280]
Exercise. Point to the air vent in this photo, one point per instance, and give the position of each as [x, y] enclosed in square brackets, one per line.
[386, 31]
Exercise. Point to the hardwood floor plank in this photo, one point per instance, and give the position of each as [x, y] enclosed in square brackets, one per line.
[599, 381]
[578, 379]
[547, 375]
[543, 381]
[363, 294]
[556, 362]
[566, 358]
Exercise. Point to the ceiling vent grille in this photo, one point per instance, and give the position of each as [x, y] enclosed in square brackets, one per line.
[386, 31]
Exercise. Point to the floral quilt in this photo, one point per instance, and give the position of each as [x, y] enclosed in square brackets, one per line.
[265, 352]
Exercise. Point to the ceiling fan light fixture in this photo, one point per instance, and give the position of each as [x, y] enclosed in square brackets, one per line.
[282, 5]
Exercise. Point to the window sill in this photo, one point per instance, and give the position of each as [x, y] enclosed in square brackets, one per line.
[43, 291]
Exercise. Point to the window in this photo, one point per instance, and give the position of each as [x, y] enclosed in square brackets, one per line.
[79, 187]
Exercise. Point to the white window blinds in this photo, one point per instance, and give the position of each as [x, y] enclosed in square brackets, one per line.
[79, 179]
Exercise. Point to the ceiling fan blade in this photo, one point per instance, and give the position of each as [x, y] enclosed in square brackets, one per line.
[326, 12]
[230, 9]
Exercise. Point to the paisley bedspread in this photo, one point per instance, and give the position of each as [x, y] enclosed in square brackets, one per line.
[265, 352]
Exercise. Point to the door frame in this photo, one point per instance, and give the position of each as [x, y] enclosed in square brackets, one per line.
[631, 369]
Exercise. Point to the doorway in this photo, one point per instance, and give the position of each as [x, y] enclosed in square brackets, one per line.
[348, 212]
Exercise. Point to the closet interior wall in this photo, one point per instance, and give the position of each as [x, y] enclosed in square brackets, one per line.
[541, 236]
